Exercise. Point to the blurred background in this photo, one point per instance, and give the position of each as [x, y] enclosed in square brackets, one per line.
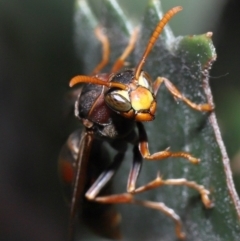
[37, 60]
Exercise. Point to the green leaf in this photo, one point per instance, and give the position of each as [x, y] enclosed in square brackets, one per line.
[186, 62]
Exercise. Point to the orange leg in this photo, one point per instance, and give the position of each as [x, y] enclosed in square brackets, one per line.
[129, 199]
[143, 147]
[121, 60]
[105, 50]
[177, 94]
[158, 182]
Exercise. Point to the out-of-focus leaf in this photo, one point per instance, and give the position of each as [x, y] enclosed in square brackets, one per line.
[186, 62]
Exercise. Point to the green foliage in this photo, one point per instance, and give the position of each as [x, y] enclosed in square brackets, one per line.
[186, 62]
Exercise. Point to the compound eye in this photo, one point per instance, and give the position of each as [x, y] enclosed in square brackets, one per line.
[145, 80]
[118, 100]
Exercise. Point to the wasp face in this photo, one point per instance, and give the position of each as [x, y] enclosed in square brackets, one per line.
[136, 102]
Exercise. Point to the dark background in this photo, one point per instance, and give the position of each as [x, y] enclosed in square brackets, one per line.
[36, 62]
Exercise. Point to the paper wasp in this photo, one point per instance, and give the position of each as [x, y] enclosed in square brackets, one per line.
[111, 106]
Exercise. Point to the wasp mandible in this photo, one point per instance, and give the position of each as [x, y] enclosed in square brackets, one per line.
[111, 106]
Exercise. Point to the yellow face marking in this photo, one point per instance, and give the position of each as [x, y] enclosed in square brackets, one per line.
[141, 99]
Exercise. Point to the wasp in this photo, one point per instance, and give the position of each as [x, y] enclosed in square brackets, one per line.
[111, 107]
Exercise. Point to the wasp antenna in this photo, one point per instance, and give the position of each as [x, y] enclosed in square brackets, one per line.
[85, 79]
[166, 18]
[93, 80]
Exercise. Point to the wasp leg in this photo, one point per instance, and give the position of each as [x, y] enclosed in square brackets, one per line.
[121, 60]
[158, 182]
[126, 198]
[177, 94]
[143, 147]
[135, 170]
[137, 163]
[108, 174]
[105, 177]
[105, 50]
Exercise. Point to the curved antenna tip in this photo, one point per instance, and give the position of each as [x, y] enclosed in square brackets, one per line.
[72, 82]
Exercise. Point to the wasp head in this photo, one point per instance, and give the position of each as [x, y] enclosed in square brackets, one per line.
[135, 101]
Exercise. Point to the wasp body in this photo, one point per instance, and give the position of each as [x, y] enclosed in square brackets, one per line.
[111, 107]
